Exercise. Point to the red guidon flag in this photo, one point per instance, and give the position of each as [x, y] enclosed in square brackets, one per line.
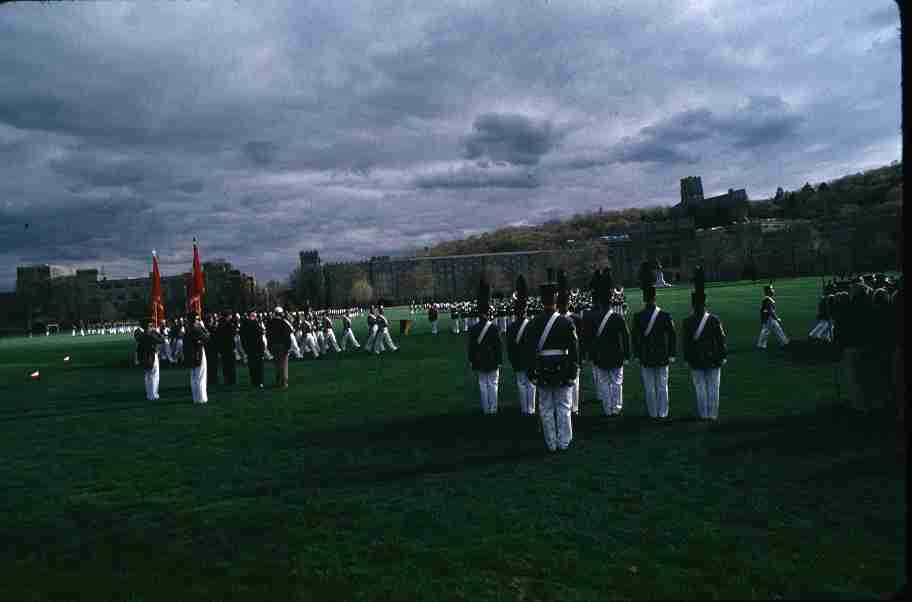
[197, 285]
[158, 308]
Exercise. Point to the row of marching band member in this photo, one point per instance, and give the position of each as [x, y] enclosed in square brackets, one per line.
[81, 328]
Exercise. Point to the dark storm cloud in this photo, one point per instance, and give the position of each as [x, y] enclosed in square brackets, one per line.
[512, 138]
[364, 128]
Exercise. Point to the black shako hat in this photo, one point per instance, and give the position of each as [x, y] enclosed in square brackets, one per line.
[768, 289]
[522, 296]
[698, 297]
[563, 292]
[548, 289]
[606, 287]
[484, 297]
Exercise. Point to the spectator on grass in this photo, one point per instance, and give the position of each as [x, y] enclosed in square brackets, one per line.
[278, 334]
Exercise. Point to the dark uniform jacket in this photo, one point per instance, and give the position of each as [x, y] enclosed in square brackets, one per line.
[432, 314]
[519, 361]
[327, 324]
[552, 371]
[371, 321]
[224, 335]
[252, 338]
[487, 355]
[278, 335]
[709, 350]
[768, 310]
[382, 323]
[655, 350]
[612, 348]
[147, 347]
[194, 342]
[346, 323]
[578, 326]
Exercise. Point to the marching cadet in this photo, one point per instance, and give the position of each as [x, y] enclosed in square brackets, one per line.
[552, 341]
[563, 307]
[608, 346]
[329, 335]
[278, 334]
[703, 345]
[348, 334]
[371, 330]
[454, 317]
[251, 333]
[823, 328]
[515, 348]
[769, 320]
[654, 347]
[195, 351]
[432, 317]
[147, 344]
[485, 354]
[224, 334]
[383, 341]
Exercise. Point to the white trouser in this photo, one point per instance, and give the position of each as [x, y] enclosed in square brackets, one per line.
[706, 387]
[385, 341]
[433, 326]
[266, 353]
[330, 339]
[321, 341]
[165, 351]
[773, 325]
[554, 409]
[456, 326]
[465, 324]
[576, 393]
[239, 353]
[151, 378]
[655, 381]
[310, 344]
[198, 382]
[610, 387]
[372, 337]
[349, 336]
[526, 393]
[295, 349]
[487, 384]
[178, 352]
[823, 330]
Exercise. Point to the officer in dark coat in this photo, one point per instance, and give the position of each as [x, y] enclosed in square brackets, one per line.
[703, 344]
[552, 343]
[518, 360]
[654, 344]
[278, 334]
[608, 344]
[252, 332]
[484, 351]
[223, 337]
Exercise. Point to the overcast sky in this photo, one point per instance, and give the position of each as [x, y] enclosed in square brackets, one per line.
[364, 128]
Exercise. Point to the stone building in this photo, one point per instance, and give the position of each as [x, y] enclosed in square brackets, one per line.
[47, 293]
[720, 210]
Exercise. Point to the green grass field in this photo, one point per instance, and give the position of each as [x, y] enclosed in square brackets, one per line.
[379, 479]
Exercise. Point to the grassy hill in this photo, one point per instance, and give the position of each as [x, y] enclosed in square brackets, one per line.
[377, 478]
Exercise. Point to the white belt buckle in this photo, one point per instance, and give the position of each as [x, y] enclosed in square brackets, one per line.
[552, 352]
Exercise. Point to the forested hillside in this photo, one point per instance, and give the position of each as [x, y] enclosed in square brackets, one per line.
[876, 190]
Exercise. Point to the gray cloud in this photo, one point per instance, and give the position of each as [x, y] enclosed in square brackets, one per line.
[479, 177]
[512, 138]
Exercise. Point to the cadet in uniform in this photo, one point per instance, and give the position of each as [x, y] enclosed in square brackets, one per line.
[384, 340]
[769, 320]
[432, 318]
[348, 334]
[654, 347]
[195, 351]
[552, 345]
[148, 342]
[520, 362]
[371, 329]
[608, 346]
[563, 307]
[703, 345]
[484, 352]
[329, 335]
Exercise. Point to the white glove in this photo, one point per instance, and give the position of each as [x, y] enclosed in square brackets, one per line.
[724, 361]
[671, 360]
[626, 362]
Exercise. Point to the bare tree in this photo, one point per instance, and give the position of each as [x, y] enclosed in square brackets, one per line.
[362, 291]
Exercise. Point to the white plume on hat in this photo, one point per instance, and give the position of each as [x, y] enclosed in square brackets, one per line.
[279, 310]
